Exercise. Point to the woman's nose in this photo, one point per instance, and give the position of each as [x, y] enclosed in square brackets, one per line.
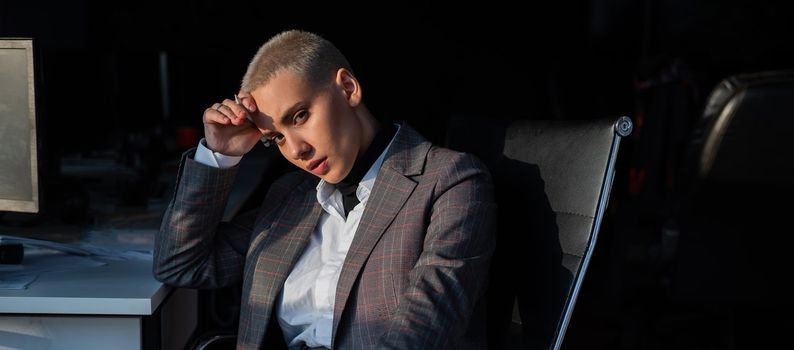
[298, 149]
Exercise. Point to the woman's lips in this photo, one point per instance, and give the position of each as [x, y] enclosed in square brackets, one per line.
[319, 167]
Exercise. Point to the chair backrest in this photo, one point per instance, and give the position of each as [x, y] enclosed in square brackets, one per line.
[733, 246]
[745, 137]
[553, 180]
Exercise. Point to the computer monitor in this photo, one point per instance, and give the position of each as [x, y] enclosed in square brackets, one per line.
[19, 185]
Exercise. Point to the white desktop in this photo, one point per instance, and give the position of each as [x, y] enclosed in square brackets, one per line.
[83, 295]
[99, 307]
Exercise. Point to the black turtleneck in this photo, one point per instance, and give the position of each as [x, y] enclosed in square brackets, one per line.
[349, 184]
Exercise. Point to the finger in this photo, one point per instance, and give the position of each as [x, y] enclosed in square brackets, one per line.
[217, 106]
[213, 116]
[227, 111]
[247, 100]
[239, 113]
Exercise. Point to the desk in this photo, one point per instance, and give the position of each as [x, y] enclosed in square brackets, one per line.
[115, 306]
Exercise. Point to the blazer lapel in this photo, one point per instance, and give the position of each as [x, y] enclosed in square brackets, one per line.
[393, 186]
[278, 250]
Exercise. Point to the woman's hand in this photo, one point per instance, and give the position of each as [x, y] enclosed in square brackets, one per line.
[229, 127]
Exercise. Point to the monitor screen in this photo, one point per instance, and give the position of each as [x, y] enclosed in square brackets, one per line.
[19, 191]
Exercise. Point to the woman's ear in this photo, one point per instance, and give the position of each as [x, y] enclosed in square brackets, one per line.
[350, 85]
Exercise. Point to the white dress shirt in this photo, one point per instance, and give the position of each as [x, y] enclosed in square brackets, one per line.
[305, 307]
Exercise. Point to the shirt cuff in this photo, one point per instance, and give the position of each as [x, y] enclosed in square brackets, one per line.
[214, 159]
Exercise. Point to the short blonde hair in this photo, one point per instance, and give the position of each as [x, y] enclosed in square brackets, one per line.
[304, 53]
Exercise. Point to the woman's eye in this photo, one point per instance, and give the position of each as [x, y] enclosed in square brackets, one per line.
[300, 117]
[278, 139]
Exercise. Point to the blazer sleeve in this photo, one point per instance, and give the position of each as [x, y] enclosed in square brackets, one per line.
[193, 248]
[451, 274]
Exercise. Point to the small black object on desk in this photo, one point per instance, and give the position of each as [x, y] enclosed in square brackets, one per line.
[11, 253]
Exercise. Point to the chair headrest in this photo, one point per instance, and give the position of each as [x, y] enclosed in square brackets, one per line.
[747, 131]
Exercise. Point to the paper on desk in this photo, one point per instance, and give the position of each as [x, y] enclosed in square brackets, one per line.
[16, 280]
[120, 244]
[38, 261]
[43, 256]
[63, 247]
[115, 244]
[115, 253]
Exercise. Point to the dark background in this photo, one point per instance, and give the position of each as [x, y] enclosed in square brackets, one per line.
[100, 93]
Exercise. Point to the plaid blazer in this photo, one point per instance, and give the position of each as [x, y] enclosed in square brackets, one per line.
[415, 273]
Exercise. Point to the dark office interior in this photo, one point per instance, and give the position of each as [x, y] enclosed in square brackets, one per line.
[121, 88]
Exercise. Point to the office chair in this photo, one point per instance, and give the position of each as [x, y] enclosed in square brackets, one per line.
[734, 249]
[552, 181]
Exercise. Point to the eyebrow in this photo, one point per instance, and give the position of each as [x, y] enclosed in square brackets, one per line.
[290, 111]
